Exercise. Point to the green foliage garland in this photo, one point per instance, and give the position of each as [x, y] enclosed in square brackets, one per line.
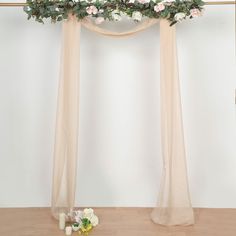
[113, 10]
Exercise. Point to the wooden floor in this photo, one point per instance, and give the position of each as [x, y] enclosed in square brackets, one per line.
[117, 222]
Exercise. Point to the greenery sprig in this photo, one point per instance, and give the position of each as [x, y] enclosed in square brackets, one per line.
[113, 10]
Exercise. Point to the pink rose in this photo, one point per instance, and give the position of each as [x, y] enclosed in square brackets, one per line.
[99, 20]
[159, 7]
[143, 1]
[92, 10]
[195, 12]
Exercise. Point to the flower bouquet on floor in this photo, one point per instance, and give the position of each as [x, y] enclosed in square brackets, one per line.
[83, 221]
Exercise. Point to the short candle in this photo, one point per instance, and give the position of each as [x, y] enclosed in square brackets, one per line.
[68, 230]
[62, 221]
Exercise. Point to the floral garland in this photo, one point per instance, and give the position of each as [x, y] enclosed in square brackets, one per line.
[78, 221]
[83, 221]
[113, 10]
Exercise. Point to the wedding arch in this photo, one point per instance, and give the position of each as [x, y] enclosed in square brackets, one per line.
[174, 205]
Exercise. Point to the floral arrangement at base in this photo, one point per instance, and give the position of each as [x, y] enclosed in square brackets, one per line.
[83, 221]
[113, 10]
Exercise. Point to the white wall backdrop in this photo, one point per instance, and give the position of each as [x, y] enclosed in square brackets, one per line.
[120, 157]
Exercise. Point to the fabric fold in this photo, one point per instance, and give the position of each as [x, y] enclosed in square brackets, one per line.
[90, 25]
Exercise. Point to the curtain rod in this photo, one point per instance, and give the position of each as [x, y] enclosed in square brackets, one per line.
[21, 4]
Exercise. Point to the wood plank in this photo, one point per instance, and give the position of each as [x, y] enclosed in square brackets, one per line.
[117, 222]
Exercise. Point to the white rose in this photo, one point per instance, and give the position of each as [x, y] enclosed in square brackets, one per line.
[88, 213]
[116, 15]
[137, 16]
[94, 220]
[180, 16]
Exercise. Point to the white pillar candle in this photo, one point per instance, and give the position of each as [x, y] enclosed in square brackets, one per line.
[68, 230]
[62, 221]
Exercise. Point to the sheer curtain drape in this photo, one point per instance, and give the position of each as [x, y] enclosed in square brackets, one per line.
[174, 206]
[65, 149]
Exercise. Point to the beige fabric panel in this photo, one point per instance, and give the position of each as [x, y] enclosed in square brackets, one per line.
[174, 206]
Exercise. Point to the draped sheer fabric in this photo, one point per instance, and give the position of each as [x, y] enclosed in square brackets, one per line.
[87, 23]
[65, 148]
[174, 206]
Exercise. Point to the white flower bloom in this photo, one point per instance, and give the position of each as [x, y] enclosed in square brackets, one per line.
[195, 12]
[91, 10]
[116, 15]
[77, 219]
[131, 1]
[88, 1]
[27, 8]
[99, 20]
[168, 2]
[94, 220]
[101, 11]
[143, 1]
[180, 16]
[137, 16]
[159, 7]
[78, 216]
[88, 213]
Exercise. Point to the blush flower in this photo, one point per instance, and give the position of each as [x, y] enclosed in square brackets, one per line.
[92, 10]
[143, 1]
[78, 216]
[195, 12]
[159, 7]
